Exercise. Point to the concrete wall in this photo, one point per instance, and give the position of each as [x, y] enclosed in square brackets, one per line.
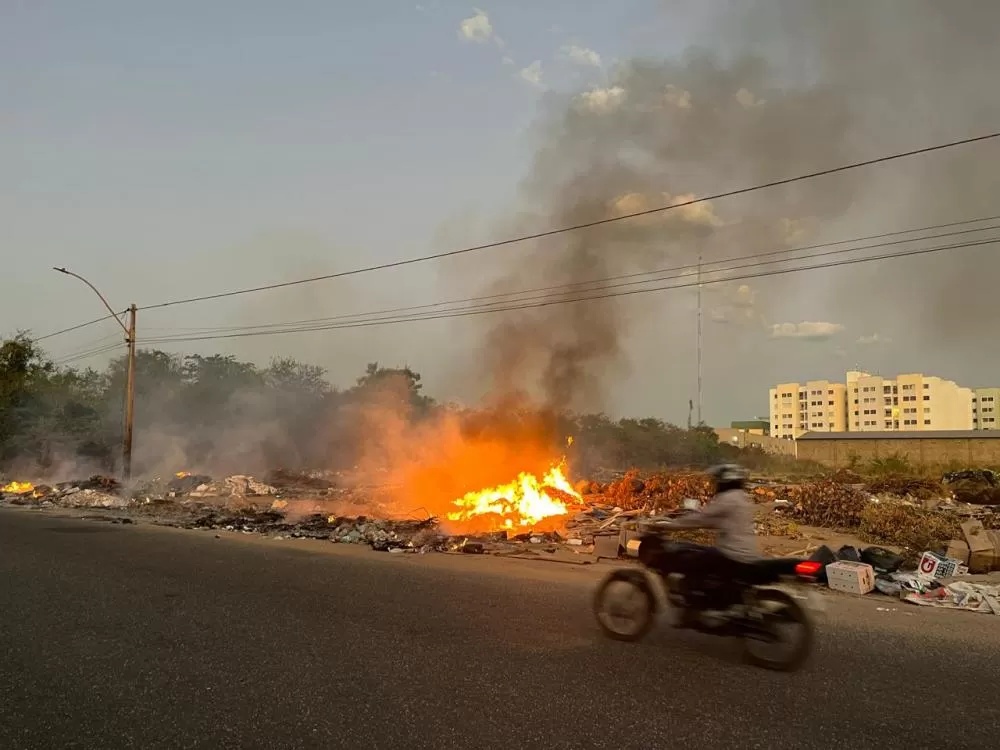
[747, 439]
[970, 452]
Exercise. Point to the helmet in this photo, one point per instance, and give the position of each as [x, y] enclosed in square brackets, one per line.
[728, 474]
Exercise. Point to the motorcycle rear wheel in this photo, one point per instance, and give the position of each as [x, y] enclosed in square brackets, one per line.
[617, 624]
[781, 609]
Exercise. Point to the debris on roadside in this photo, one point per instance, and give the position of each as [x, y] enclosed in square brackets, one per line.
[850, 577]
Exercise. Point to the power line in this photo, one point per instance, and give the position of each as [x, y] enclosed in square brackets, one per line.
[86, 354]
[78, 327]
[88, 346]
[580, 226]
[651, 276]
[563, 300]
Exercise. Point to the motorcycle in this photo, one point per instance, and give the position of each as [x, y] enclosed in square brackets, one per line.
[754, 604]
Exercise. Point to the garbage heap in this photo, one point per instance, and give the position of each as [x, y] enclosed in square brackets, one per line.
[944, 579]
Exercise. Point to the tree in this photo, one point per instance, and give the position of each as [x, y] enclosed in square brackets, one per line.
[24, 375]
[393, 384]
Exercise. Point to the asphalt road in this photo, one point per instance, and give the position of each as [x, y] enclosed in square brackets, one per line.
[142, 637]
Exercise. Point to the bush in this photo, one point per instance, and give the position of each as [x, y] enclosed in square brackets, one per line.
[906, 526]
[894, 464]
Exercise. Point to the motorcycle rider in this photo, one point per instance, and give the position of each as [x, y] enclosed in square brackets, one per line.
[730, 514]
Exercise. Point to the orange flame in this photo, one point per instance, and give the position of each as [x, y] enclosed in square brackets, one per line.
[182, 474]
[18, 488]
[523, 503]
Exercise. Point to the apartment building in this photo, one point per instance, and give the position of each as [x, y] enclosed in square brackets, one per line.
[872, 403]
[816, 406]
[985, 402]
[907, 402]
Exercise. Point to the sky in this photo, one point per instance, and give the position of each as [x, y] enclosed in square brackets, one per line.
[166, 151]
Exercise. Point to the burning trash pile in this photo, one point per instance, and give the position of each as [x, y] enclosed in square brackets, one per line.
[95, 492]
[544, 512]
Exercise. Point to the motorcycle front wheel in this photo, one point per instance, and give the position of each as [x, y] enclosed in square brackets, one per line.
[625, 605]
[788, 628]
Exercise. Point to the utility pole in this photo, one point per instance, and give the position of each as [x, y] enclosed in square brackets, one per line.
[699, 336]
[130, 372]
[129, 396]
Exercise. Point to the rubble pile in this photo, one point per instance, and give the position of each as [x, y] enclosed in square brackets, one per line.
[939, 578]
[903, 525]
[96, 491]
[975, 486]
[903, 486]
[287, 479]
[776, 525]
[828, 504]
[381, 534]
[655, 493]
[846, 476]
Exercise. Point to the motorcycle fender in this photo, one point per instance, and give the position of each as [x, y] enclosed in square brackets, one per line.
[643, 579]
[810, 600]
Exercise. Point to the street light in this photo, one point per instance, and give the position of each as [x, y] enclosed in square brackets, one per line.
[130, 373]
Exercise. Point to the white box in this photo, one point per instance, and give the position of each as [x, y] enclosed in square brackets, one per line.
[850, 577]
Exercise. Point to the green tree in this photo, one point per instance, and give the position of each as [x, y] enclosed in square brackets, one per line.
[24, 384]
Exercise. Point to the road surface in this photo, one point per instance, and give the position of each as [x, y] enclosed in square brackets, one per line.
[143, 637]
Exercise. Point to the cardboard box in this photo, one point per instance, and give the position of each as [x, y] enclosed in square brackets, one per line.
[850, 577]
[995, 538]
[976, 536]
[958, 550]
[932, 566]
[981, 547]
[981, 561]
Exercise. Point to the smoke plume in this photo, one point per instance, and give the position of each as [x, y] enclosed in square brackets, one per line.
[771, 90]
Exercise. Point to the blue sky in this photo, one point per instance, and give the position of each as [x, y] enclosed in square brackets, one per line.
[172, 150]
[165, 151]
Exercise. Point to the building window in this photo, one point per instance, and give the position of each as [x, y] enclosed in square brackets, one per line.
[926, 386]
[927, 421]
[927, 398]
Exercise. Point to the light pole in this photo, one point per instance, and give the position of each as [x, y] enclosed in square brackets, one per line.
[129, 373]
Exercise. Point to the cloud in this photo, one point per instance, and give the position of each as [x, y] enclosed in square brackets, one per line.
[507, 60]
[806, 331]
[744, 296]
[476, 28]
[533, 74]
[737, 307]
[602, 101]
[581, 55]
[873, 340]
[677, 97]
[747, 99]
[797, 230]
